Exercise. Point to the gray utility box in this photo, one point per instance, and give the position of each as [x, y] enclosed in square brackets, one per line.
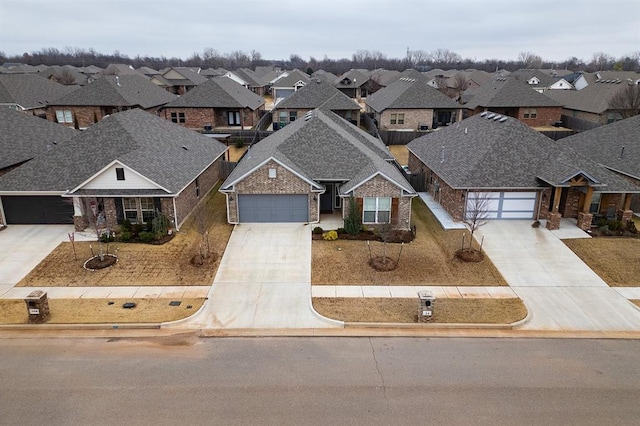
[37, 307]
[425, 309]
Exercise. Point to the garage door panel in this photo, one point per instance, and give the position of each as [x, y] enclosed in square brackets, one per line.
[273, 208]
[37, 210]
[506, 205]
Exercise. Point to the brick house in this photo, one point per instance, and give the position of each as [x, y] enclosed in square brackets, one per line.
[178, 80]
[513, 98]
[217, 103]
[105, 96]
[314, 166]
[410, 103]
[615, 146]
[520, 173]
[317, 93]
[287, 83]
[128, 166]
[30, 93]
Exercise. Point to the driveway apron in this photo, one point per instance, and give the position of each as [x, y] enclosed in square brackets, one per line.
[559, 289]
[263, 281]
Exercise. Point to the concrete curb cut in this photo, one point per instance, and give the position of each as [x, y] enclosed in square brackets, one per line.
[338, 323]
[170, 324]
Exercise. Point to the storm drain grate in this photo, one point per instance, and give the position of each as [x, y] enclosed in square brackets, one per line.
[175, 303]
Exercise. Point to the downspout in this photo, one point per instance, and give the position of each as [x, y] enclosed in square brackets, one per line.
[175, 214]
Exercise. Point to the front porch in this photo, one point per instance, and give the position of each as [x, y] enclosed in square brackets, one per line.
[331, 221]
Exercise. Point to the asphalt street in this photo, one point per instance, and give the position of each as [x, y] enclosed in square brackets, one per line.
[188, 380]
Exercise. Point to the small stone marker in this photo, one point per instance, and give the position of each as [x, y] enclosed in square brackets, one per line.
[37, 307]
[425, 307]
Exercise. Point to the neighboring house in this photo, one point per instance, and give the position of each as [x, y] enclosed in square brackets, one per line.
[67, 75]
[107, 95]
[23, 137]
[410, 103]
[520, 172]
[149, 72]
[258, 85]
[316, 94]
[588, 107]
[314, 166]
[535, 79]
[120, 69]
[287, 83]
[617, 147]
[178, 80]
[511, 97]
[327, 76]
[128, 166]
[219, 102]
[30, 93]
[356, 84]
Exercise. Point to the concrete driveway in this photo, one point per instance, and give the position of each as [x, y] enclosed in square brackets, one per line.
[22, 247]
[560, 290]
[264, 281]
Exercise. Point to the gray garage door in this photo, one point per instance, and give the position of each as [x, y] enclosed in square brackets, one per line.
[504, 205]
[30, 210]
[273, 208]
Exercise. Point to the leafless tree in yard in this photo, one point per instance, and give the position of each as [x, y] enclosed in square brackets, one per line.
[65, 77]
[529, 60]
[202, 223]
[459, 85]
[626, 101]
[477, 213]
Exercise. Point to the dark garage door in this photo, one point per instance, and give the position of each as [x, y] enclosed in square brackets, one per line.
[29, 210]
[273, 208]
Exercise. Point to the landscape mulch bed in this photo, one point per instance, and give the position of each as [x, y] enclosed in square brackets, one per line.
[427, 260]
[102, 311]
[401, 310]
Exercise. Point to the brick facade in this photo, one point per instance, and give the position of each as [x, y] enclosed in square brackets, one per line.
[349, 115]
[189, 197]
[380, 187]
[197, 118]
[545, 116]
[413, 118]
[85, 116]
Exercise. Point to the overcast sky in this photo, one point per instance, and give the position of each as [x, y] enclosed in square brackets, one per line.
[475, 29]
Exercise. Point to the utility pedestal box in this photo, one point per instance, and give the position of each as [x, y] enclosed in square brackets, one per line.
[425, 309]
[37, 306]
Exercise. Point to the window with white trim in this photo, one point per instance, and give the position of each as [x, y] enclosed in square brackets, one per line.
[64, 116]
[397, 118]
[138, 210]
[376, 210]
[530, 113]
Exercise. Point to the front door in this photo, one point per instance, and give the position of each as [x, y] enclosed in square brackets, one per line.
[326, 199]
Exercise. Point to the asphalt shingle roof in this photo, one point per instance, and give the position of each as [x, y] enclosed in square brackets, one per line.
[324, 147]
[123, 90]
[593, 98]
[317, 93]
[219, 92]
[616, 145]
[31, 90]
[292, 78]
[506, 93]
[409, 93]
[485, 153]
[23, 136]
[148, 144]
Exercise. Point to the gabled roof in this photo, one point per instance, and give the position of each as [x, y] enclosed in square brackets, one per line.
[124, 90]
[23, 136]
[318, 93]
[593, 98]
[152, 146]
[218, 92]
[615, 146]
[345, 81]
[409, 92]
[525, 75]
[481, 152]
[148, 71]
[190, 76]
[210, 72]
[120, 69]
[54, 72]
[327, 76]
[250, 77]
[30, 90]
[292, 78]
[322, 147]
[384, 77]
[506, 93]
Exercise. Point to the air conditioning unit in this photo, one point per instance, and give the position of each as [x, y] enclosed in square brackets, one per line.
[423, 127]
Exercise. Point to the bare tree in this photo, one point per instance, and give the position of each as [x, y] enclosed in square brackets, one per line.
[65, 77]
[602, 61]
[459, 85]
[445, 57]
[477, 213]
[529, 60]
[626, 101]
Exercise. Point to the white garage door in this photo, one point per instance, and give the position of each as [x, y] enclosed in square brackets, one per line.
[503, 205]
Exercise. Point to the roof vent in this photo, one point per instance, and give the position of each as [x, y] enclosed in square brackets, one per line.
[503, 119]
[497, 117]
[308, 116]
[482, 114]
[490, 116]
[117, 81]
[185, 148]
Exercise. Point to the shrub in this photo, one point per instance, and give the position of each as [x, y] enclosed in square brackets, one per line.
[146, 237]
[330, 236]
[353, 221]
[631, 227]
[239, 142]
[136, 228]
[615, 225]
[604, 230]
[341, 231]
[125, 236]
[125, 225]
[107, 237]
[317, 230]
[160, 225]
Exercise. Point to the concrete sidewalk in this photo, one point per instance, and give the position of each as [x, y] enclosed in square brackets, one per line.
[390, 291]
[560, 290]
[263, 281]
[445, 219]
[131, 292]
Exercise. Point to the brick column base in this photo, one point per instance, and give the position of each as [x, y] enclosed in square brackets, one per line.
[553, 222]
[80, 223]
[624, 215]
[584, 221]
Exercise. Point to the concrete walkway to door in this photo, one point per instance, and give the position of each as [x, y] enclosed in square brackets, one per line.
[559, 289]
[263, 281]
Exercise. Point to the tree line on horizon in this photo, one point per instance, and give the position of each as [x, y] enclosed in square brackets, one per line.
[421, 60]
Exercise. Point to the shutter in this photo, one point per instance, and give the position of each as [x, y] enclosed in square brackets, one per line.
[360, 204]
[119, 210]
[157, 204]
[394, 210]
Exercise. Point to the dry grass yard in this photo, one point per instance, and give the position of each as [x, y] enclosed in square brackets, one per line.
[615, 259]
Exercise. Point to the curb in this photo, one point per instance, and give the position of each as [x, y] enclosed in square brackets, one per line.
[124, 326]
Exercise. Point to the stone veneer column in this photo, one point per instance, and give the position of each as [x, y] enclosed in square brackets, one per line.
[624, 215]
[584, 221]
[553, 222]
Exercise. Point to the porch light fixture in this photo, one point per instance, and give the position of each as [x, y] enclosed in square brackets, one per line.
[230, 197]
[315, 198]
